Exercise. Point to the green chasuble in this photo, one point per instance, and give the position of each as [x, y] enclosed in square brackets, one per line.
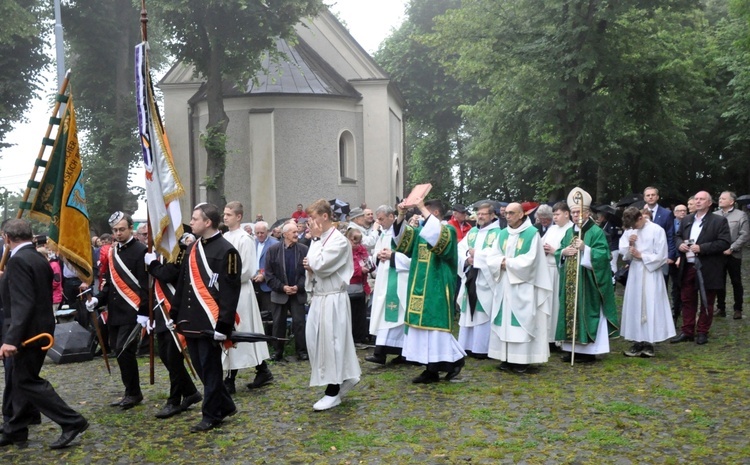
[595, 290]
[432, 278]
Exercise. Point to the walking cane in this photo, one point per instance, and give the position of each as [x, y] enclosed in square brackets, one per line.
[578, 199]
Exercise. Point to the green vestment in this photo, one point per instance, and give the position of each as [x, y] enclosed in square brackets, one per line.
[432, 278]
[595, 291]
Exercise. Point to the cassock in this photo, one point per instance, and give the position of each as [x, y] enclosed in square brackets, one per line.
[246, 355]
[431, 292]
[389, 296]
[523, 296]
[596, 320]
[554, 237]
[477, 289]
[333, 357]
[646, 312]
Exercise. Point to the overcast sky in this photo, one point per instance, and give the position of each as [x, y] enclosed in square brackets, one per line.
[369, 21]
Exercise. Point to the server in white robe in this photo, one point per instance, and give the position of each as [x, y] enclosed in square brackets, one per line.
[329, 263]
[389, 293]
[646, 312]
[245, 355]
[551, 242]
[523, 295]
[477, 289]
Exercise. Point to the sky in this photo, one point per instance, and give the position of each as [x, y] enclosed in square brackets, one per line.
[369, 21]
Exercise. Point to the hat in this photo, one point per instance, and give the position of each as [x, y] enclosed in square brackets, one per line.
[578, 196]
[459, 208]
[356, 213]
[116, 218]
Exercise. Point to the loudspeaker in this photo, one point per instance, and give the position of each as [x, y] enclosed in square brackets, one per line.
[73, 343]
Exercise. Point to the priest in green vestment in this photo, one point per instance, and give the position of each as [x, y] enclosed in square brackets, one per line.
[431, 292]
[588, 258]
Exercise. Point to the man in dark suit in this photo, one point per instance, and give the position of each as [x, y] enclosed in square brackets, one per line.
[26, 293]
[286, 277]
[663, 217]
[543, 219]
[210, 264]
[703, 239]
[263, 241]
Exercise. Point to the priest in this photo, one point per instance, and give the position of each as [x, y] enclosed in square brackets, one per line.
[584, 254]
[477, 289]
[523, 294]
[551, 241]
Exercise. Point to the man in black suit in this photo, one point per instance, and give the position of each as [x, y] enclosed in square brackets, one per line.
[285, 275]
[210, 264]
[125, 293]
[26, 293]
[702, 241]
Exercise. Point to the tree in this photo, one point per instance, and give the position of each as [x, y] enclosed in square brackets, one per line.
[21, 59]
[101, 35]
[225, 40]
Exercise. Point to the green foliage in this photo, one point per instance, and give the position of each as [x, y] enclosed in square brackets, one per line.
[21, 59]
[225, 41]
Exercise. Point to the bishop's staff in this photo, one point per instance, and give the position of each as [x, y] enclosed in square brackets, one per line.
[578, 199]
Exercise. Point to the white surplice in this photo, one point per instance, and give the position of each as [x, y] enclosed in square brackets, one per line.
[245, 354]
[646, 312]
[554, 238]
[524, 294]
[333, 357]
[388, 333]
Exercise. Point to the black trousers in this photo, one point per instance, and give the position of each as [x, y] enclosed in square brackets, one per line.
[8, 393]
[126, 358]
[32, 392]
[180, 383]
[734, 268]
[360, 329]
[674, 273]
[297, 311]
[206, 356]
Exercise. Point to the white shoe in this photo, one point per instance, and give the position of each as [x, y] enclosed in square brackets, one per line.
[347, 386]
[327, 402]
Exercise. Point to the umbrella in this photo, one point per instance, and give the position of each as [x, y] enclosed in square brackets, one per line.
[635, 200]
[613, 214]
[339, 206]
[743, 199]
[279, 223]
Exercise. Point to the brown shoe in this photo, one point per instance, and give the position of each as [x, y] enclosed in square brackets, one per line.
[737, 315]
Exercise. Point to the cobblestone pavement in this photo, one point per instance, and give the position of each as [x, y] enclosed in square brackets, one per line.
[687, 405]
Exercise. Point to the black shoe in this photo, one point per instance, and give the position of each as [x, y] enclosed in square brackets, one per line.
[303, 357]
[229, 384]
[379, 359]
[720, 312]
[6, 440]
[681, 338]
[635, 350]
[261, 379]
[169, 410]
[278, 356]
[67, 436]
[130, 401]
[117, 403]
[580, 358]
[457, 366]
[648, 350]
[400, 360]
[701, 339]
[232, 413]
[205, 425]
[478, 356]
[520, 367]
[191, 400]
[505, 366]
[426, 377]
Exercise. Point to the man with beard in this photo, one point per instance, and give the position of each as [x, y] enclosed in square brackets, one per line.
[476, 291]
[389, 295]
[523, 297]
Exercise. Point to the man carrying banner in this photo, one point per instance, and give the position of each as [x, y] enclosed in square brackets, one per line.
[205, 309]
[125, 293]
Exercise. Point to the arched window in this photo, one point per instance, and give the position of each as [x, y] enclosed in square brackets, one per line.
[347, 158]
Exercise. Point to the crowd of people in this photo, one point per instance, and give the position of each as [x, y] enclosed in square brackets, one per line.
[519, 280]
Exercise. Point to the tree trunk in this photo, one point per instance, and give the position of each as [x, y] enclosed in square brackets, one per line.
[214, 139]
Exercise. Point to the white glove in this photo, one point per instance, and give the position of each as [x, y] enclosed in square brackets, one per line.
[149, 257]
[143, 321]
[170, 325]
[219, 337]
[91, 304]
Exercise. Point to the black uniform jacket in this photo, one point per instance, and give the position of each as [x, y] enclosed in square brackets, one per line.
[120, 310]
[714, 239]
